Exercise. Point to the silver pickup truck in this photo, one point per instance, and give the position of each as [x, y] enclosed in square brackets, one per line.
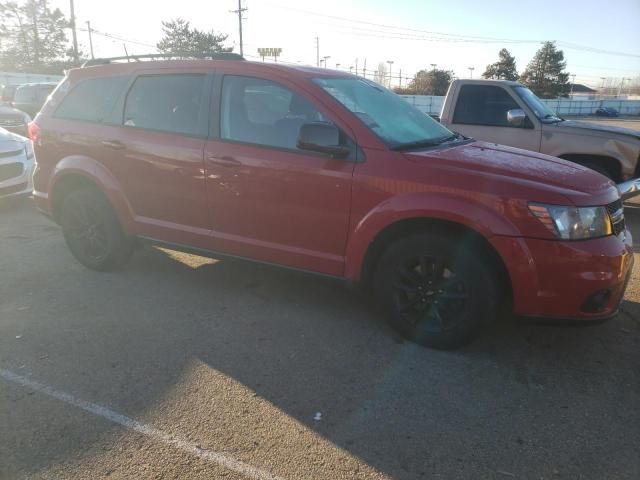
[509, 113]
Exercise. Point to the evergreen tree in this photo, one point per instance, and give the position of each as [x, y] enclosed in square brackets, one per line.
[503, 69]
[181, 39]
[32, 36]
[545, 74]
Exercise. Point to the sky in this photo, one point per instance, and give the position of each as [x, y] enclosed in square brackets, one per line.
[599, 39]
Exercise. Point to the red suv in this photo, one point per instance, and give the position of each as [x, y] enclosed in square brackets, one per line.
[330, 173]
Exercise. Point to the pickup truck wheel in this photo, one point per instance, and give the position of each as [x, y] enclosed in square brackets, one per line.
[436, 291]
[92, 231]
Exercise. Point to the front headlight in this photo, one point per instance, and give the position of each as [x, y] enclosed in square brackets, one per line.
[573, 223]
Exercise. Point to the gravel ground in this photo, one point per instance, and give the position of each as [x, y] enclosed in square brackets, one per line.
[225, 366]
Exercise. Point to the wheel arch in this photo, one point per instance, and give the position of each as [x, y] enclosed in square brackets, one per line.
[76, 172]
[469, 236]
[607, 162]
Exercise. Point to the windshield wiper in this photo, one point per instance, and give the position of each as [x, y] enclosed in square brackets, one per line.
[413, 145]
[425, 143]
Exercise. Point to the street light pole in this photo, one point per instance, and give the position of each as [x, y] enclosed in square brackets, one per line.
[325, 58]
[434, 65]
[471, 69]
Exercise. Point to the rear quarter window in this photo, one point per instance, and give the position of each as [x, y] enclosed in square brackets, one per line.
[92, 100]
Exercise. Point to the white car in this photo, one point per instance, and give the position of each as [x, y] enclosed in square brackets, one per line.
[16, 164]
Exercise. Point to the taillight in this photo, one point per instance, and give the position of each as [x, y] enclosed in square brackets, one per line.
[34, 131]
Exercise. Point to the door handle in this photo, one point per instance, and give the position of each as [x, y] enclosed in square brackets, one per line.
[115, 144]
[224, 161]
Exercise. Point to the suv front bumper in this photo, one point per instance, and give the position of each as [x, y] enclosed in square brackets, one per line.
[578, 280]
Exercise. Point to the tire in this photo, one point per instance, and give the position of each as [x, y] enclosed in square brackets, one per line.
[92, 231]
[435, 290]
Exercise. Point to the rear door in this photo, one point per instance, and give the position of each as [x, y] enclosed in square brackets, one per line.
[156, 153]
[268, 199]
[481, 112]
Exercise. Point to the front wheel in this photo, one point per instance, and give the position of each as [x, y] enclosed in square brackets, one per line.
[92, 231]
[436, 291]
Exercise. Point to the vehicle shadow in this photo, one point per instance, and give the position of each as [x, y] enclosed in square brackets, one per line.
[522, 400]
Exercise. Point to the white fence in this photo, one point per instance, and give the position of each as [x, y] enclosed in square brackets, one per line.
[13, 78]
[562, 106]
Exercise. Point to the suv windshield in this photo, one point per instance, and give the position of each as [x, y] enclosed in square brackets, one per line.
[544, 113]
[400, 125]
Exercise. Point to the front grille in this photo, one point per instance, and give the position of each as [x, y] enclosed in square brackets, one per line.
[12, 153]
[10, 170]
[13, 189]
[616, 214]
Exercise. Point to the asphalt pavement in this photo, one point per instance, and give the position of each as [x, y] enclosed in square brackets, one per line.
[183, 367]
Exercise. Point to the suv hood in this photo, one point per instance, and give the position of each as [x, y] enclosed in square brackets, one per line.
[530, 169]
[588, 128]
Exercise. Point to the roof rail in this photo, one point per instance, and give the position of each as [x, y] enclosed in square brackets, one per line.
[163, 56]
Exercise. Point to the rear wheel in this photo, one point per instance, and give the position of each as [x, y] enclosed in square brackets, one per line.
[92, 231]
[436, 291]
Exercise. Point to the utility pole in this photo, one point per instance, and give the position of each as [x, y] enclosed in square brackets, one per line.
[76, 58]
[471, 69]
[317, 51]
[390, 62]
[90, 39]
[620, 88]
[573, 81]
[364, 69]
[240, 11]
[400, 78]
[602, 87]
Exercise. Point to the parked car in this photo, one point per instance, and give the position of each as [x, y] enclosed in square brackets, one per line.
[606, 112]
[7, 94]
[14, 120]
[16, 164]
[326, 172]
[30, 97]
[508, 113]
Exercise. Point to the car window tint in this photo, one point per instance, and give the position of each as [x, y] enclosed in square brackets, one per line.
[169, 103]
[91, 100]
[483, 105]
[263, 112]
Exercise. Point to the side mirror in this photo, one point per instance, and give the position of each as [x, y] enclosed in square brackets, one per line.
[321, 137]
[516, 117]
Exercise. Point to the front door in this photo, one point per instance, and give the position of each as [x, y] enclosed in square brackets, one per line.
[268, 199]
[481, 113]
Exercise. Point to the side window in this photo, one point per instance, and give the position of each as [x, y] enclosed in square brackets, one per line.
[91, 100]
[483, 105]
[262, 112]
[169, 103]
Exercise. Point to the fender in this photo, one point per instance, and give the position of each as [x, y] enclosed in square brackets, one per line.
[95, 172]
[475, 216]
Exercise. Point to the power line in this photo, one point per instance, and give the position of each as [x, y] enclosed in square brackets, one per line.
[484, 39]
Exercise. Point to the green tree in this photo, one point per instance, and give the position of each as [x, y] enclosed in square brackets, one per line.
[181, 39]
[32, 36]
[430, 82]
[504, 68]
[545, 74]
